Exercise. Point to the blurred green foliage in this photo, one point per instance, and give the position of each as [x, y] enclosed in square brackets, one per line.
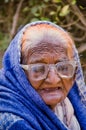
[4, 41]
[61, 12]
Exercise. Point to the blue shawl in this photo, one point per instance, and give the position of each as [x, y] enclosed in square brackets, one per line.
[17, 96]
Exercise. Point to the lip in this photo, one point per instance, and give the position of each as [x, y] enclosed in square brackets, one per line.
[50, 89]
[52, 95]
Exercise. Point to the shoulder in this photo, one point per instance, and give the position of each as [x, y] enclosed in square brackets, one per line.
[9, 121]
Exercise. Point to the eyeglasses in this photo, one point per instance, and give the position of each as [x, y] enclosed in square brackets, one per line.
[39, 71]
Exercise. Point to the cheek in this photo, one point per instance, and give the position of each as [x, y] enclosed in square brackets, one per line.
[68, 85]
[35, 84]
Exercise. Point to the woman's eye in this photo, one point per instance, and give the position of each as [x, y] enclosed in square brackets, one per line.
[63, 68]
[38, 69]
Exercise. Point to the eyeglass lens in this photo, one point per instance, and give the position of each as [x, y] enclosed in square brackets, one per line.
[65, 69]
[37, 71]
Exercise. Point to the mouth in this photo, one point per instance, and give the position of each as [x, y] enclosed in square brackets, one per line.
[51, 89]
[52, 96]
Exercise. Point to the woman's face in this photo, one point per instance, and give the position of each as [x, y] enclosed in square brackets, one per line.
[53, 89]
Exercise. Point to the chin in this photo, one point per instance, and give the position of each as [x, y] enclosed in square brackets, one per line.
[53, 101]
[52, 98]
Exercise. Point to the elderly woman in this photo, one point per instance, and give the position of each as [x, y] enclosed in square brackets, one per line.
[41, 82]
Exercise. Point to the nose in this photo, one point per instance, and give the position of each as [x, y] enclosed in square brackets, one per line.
[52, 77]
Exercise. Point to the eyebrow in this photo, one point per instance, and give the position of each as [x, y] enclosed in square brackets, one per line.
[38, 60]
[42, 60]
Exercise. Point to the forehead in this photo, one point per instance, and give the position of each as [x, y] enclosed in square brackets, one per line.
[43, 38]
[47, 53]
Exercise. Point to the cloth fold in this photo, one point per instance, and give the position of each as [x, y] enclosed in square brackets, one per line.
[65, 112]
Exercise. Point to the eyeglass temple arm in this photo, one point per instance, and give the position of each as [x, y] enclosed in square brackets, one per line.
[25, 67]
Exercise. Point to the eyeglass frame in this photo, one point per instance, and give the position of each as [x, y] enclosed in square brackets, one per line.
[73, 63]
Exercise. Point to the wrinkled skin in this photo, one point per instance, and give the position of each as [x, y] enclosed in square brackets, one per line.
[53, 89]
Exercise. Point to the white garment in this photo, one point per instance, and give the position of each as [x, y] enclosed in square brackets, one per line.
[65, 113]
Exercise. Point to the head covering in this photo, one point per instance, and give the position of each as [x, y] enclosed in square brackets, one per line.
[19, 97]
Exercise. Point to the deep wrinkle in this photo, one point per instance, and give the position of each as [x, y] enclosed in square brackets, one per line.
[43, 48]
[62, 80]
